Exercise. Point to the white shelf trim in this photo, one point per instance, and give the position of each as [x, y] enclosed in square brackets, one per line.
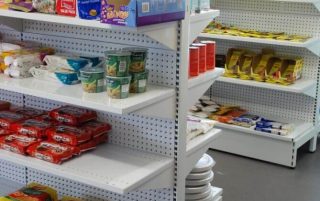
[8, 186]
[205, 77]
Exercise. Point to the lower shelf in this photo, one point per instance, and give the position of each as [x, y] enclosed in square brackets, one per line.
[109, 167]
[7, 186]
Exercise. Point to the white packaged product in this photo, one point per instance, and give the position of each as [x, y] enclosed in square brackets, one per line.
[19, 67]
[65, 62]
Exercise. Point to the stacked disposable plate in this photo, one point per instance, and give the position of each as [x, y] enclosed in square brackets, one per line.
[198, 182]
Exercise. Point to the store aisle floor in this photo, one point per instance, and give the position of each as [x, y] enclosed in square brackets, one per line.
[245, 179]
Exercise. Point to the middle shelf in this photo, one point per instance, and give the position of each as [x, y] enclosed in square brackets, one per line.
[110, 167]
[144, 103]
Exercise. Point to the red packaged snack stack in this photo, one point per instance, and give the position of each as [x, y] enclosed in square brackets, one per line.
[4, 132]
[66, 7]
[97, 128]
[4, 105]
[73, 116]
[68, 135]
[46, 118]
[31, 128]
[52, 152]
[30, 112]
[9, 117]
[17, 143]
[92, 144]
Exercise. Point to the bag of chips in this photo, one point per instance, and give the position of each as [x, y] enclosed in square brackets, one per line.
[31, 127]
[17, 143]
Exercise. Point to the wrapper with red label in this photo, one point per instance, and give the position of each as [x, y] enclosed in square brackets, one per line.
[97, 128]
[4, 132]
[8, 117]
[46, 118]
[30, 112]
[92, 144]
[52, 152]
[17, 143]
[68, 135]
[31, 127]
[73, 116]
[66, 7]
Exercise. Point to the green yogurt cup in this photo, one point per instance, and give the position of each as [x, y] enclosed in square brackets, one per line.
[92, 79]
[139, 82]
[118, 87]
[138, 59]
[117, 63]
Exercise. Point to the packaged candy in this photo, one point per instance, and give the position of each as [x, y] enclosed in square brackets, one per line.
[52, 152]
[29, 112]
[45, 6]
[21, 5]
[68, 135]
[31, 127]
[66, 7]
[245, 65]
[67, 63]
[33, 192]
[4, 132]
[246, 120]
[4, 105]
[260, 64]
[17, 143]
[291, 71]
[232, 64]
[89, 9]
[273, 69]
[97, 128]
[72, 115]
[9, 117]
[265, 123]
[46, 118]
[272, 131]
[92, 144]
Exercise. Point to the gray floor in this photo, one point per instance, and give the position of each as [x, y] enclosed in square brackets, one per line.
[245, 179]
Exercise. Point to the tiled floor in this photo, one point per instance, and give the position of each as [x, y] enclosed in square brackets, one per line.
[245, 179]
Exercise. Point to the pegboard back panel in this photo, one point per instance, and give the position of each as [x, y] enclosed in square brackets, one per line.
[95, 34]
[12, 97]
[89, 193]
[9, 34]
[13, 172]
[269, 103]
[139, 132]
[161, 63]
[269, 16]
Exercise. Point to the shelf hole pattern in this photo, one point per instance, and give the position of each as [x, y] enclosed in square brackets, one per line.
[161, 63]
[135, 131]
[12, 97]
[8, 34]
[89, 193]
[12, 172]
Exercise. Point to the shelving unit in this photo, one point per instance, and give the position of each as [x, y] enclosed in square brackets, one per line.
[316, 3]
[7, 186]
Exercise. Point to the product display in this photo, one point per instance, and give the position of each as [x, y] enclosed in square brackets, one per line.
[196, 126]
[89, 10]
[44, 6]
[138, 59]
[31, 127]
[17, 143]
[117, 63]
[92, 80]
[139, 81]
[66, 7]
[221, 29]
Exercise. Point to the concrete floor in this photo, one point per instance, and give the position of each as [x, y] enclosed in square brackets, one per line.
[245, 179]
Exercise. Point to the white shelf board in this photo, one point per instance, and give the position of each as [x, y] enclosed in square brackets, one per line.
[198, 146]
[109, 167]
[98, 101]
[7, 186]
[164, 33]
[299, 129]
[197, 86]
[199, 21]
[316, 3]
[301, 86]
[312, 44]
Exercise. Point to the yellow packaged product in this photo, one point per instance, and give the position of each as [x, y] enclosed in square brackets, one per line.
[232, 64]
[291, 71]
[245, 65]
[260, 64]
[68, 198]
[273, 69]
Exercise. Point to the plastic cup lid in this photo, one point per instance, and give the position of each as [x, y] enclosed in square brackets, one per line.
[198, 196]
[200, 182]
[197, 189]
[205, 164]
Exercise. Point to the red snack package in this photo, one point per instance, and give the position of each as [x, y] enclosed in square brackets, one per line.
[9, 117]
[66, 7]
[72, 115]
[52, 152]
[92, 144]
[46, 118]
[4, 105]
[68, 135]
[17, 143]
[97, 128]
[4, 132]
[31, 127]
[30, 112]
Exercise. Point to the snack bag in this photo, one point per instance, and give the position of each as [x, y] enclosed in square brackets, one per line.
[68, 135]
[52, 152]
[245, 65]
[29, 112]
[5, 132]
[33, 192]
[8, 117]
[31, 127]
[65, 62]
[45, 6]
[21, 5]
[232, 65]
[273, 69]
[66, 7]
[246, 120]
[97, 128]
[89, 9]
[260, 64]
[17, 143]
[46, 118]
[291, 71]
[73, 116]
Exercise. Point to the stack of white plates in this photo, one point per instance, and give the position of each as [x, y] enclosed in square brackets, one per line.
[198, 187]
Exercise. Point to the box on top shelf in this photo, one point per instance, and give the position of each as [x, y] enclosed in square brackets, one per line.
[135, 13]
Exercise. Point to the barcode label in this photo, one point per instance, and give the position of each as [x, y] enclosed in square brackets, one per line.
[145, 7]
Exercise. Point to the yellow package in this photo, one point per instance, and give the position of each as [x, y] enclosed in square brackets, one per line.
[259, 65]
[68, 198]
[245, 65]
[273, 69]
[291, 71]
[232, 63]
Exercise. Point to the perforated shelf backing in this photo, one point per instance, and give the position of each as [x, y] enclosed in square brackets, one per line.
[139, 132]
[270, 16]
[88, 193]
[13, 172]
[9, 34]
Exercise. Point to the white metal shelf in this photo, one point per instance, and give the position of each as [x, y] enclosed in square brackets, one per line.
[165, 33]
[199, 21]
[199, 85]
[302, 86]
[311, 44]
[8, 186]
[316, 3]
[144, 103]
[198, 146]
[109, 167]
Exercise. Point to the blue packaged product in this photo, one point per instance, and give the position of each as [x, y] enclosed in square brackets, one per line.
[65, 62]
[265, 123]
[94, 60]
[246, 120]
[89, 9]
[272, 131]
